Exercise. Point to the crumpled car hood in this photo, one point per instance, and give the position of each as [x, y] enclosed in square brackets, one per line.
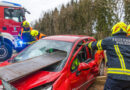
[36, 79]
[5, 63]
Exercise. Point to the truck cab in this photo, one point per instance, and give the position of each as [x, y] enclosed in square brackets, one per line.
[11, 17]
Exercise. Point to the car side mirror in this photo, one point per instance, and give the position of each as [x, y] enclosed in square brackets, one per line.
[82, 66]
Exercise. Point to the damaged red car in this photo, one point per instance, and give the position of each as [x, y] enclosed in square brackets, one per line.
[76, 66]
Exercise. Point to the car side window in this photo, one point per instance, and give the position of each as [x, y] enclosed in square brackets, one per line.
[80, 57]
[82, 54]
[92, 53]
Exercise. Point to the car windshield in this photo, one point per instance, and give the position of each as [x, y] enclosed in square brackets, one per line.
[45, 47]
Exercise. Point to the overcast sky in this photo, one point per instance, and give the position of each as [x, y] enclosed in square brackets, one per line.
[36, 7]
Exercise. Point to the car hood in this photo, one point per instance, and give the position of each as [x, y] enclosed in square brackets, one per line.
[4, 63]
[36, 79]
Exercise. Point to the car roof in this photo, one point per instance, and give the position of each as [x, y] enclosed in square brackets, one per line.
[67, 38]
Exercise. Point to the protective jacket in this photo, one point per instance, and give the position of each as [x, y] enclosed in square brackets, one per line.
[40, 35]
[128, 35]
[118, 55]
[26, 36]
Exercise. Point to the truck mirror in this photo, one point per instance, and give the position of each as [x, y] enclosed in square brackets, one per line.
[25, 10]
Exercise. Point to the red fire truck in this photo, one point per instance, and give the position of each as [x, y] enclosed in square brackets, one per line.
[11, 17]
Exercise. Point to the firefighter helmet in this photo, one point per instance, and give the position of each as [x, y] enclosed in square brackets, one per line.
[120, 27]
[128, 29]
[26, 24]
[34, 32]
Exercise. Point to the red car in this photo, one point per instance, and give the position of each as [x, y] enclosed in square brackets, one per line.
[78, 70]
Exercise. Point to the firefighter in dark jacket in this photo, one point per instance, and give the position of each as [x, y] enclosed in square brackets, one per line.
[118, 57]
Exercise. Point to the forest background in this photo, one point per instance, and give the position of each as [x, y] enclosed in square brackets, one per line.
[84, 17]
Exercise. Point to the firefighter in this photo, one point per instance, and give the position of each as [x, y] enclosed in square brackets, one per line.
[25, 35]
[37, 34]
[118, 57]
[128, 31]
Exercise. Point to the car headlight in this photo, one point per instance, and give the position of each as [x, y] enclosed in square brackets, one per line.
[48, 87]
[7, 86]
[1, 87]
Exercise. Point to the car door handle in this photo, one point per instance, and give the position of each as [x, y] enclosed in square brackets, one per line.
[78, 73]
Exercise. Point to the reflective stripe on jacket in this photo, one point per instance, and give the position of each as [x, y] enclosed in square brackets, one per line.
[26, 36]
[118, 55]
[22, 31]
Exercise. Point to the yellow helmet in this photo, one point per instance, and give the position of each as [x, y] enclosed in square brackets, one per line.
[128, 29]
[26, 24]
[120, 27]
[34, 32]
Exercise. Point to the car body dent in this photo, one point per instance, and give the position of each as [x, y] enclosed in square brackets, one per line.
[36, 79]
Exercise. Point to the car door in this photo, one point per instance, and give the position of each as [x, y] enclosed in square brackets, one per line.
[92, 63]
[79, 80]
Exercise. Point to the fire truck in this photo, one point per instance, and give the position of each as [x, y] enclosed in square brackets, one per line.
[11, 17]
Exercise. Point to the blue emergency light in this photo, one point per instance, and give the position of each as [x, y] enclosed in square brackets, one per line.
[21, 42]
[15, 4]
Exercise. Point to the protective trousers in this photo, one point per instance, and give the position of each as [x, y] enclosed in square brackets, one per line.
[114, 84]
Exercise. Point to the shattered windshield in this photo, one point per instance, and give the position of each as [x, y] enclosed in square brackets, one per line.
[45, 48]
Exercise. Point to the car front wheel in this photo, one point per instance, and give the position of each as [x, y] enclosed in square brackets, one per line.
[5, 52]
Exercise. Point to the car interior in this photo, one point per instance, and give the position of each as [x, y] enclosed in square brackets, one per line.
[82, 55]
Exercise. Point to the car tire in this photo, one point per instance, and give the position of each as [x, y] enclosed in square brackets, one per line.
[102, 68]
[6, 52]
